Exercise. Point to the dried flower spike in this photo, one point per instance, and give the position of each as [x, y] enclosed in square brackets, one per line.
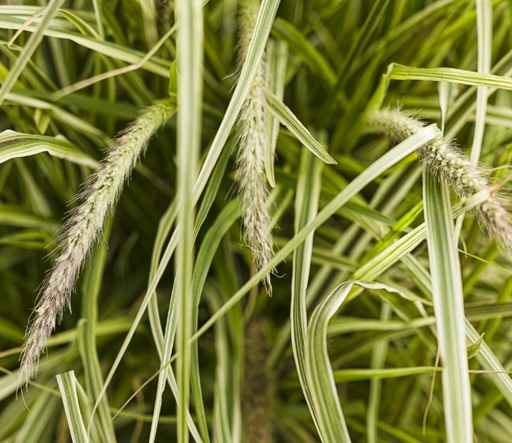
[251, 153]
[81, 230]
[445, 161]
[256, 401]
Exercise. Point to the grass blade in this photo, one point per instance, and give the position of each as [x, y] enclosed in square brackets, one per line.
[378, 359]
[313, 58]
[484, 27]
[277, 59]
[452, 75]
[32, 44]
[91, 286]
[306, 206]
[449, 309]
[67, 386]
[15, 145]
[331, 422]
[190, 50]
[293, 124]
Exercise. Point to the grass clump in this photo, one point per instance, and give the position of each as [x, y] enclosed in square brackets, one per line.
[390, 318]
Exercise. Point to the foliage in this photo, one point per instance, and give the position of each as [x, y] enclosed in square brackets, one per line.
[389, 318]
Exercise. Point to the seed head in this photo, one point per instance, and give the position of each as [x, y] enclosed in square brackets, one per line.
[256, 421]
[79, 233]
[443, 159]
[250, 167]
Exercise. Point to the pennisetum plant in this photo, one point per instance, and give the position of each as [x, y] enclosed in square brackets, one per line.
[444, 160]
[250, 167]
[79, 233]
[357, 221]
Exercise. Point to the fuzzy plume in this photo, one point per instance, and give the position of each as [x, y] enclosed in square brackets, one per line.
[83, 227]
[250, 168]
[445, 160]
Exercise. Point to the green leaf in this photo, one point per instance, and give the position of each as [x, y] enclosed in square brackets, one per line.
[32, 44]
[173, 78]
[16, 144]
[449, 310]
[293, 124]
[91, 286]
[67, 386]
[190, 66]
[460, 76]
[277, 61]
[299, 44]
[306, 206]
[474, 348]
[330, 420]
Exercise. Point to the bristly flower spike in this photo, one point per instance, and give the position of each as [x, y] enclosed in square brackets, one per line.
[250, 168]
[445, 161]
[83, 227]
[256, 395]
